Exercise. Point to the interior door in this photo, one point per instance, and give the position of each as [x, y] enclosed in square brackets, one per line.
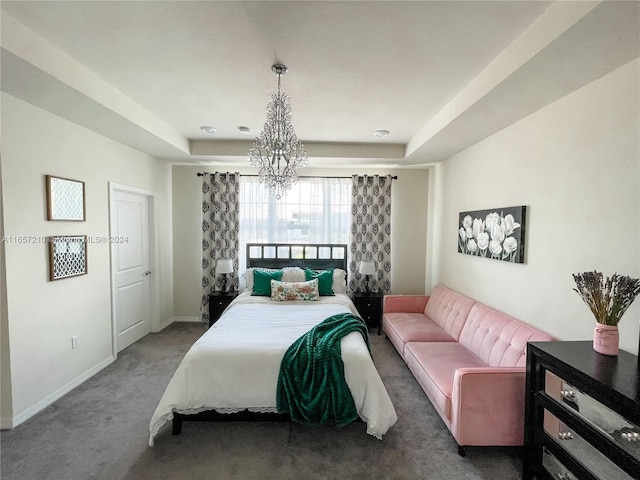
[130, 247]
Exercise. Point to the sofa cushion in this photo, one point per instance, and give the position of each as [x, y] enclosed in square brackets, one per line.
[498, 339]
[415, 327]
[434, 364]
[404, 303]
[448, 309]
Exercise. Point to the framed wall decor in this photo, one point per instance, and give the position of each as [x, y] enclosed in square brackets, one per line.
[67, 256]
[65, 199]
[497, 233]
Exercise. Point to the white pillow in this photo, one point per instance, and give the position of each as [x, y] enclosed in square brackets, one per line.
[289, 274]
[339, 281]
[293, 275]
[286, 291]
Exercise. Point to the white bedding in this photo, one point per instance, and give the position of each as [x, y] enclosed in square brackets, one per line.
[235, 364]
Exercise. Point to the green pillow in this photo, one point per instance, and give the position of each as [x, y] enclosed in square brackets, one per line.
[325, 280]
[262, 282]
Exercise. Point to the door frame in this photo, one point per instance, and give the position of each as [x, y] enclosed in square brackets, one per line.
[154, 285]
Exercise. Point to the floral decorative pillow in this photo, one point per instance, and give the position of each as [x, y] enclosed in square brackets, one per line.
[285, 292]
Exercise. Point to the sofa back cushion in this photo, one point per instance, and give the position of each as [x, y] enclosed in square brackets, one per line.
[498, 339]
[448, 309]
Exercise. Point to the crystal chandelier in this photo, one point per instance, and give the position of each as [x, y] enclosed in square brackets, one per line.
[277, 153]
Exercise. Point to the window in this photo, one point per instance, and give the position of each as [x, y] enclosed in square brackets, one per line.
[315, 210]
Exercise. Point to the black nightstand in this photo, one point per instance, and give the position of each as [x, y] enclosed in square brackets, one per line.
[218, 301]
[369, 306]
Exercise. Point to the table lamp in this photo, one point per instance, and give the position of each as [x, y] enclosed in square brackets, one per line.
[366, 269]
[224, 266]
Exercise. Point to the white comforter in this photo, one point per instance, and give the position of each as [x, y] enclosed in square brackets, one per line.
[235, 364]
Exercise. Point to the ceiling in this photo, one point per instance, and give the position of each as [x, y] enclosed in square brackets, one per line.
[440, 76]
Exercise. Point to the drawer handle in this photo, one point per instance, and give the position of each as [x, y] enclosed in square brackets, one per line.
[564, 476]
[631, 436]
[565, 436]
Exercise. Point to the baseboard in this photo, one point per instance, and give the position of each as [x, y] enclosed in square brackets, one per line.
[163, 325]
[186, 319]
[49, 399]
[171, 320]
[6, 423]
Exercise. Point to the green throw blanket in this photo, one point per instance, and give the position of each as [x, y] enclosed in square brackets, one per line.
[311, 383]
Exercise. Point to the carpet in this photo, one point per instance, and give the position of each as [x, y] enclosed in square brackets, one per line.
[100, 431]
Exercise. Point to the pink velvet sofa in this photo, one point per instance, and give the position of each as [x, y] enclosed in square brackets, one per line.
[468, 358]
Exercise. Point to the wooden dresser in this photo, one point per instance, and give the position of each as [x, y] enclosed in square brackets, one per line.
[582, 417]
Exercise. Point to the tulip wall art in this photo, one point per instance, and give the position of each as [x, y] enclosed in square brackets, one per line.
[496, 233]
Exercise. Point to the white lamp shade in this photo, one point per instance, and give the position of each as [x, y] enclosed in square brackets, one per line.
[224, 266]
[367, 268]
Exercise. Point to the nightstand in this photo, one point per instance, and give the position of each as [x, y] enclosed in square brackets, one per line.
[218, 301]
[369, 306]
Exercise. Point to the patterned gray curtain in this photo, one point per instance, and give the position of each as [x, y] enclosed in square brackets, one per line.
[220, 228]
[370, 238]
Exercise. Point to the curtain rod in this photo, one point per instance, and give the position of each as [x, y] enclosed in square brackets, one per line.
[200, 174]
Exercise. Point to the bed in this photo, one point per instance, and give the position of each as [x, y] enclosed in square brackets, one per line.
[232, 369]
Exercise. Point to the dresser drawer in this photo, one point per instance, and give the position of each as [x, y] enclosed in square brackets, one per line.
[591, 458]
[618, 429]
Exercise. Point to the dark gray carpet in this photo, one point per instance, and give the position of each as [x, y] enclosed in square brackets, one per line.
[100, 431]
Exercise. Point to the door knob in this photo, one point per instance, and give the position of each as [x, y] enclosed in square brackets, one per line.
[148, 272]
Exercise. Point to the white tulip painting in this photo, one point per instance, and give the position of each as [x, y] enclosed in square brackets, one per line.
[496, 233]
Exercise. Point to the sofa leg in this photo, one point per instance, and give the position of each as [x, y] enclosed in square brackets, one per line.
[462, 451]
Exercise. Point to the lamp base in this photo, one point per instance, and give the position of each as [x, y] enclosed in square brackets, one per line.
[365, 286]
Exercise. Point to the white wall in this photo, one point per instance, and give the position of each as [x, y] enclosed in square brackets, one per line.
[408, 235]
[576, 166]
[6, 408]
[43, 315]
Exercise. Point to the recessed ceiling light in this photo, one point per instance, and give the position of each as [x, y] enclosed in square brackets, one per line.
[208, 129]
[381, 133]
[244, 130]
